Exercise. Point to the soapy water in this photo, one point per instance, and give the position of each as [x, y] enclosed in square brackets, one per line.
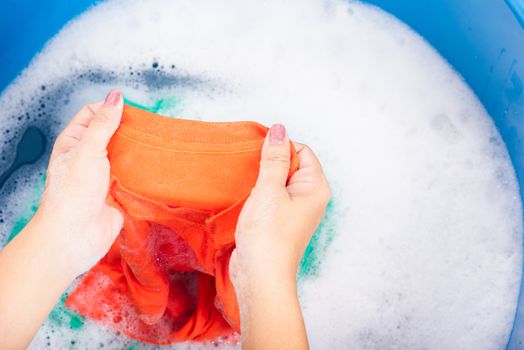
[421, 244]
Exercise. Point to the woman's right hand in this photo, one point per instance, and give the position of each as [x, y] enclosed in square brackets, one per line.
[272, 233]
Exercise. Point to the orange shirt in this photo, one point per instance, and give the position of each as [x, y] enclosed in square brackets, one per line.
[180, 185]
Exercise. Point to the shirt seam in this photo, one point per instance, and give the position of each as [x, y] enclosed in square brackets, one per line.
[185, 151]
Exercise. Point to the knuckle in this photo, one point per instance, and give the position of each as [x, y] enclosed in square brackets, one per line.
[325, 193]
[102, 116]
[276, 157]
[328, 195]
[307, 151]
[327, 187]
[86, 109]
[307, 148]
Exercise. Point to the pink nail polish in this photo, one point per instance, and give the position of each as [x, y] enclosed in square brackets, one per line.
[277, 134]
[112, 98]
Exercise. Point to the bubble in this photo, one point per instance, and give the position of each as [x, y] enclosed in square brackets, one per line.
[425, 202]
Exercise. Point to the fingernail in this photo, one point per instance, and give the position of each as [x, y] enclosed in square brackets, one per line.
[277, 134]
[112, 98]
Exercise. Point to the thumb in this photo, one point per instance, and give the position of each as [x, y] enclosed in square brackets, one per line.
[104, 123]
[275, 158]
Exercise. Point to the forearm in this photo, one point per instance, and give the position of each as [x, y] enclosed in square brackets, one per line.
[270, 312]
[34, 273]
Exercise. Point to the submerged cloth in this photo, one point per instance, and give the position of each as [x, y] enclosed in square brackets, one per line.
[180, 185]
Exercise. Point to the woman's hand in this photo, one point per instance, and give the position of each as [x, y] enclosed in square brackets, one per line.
[72, 229]
[272, 233]
[77, 185]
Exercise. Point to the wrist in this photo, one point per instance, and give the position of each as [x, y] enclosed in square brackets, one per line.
[267, 271]
[49, 236]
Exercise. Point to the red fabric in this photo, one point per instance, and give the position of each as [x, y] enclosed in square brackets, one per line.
[180, 185]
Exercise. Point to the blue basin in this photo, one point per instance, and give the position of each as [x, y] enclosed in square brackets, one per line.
[482, 39]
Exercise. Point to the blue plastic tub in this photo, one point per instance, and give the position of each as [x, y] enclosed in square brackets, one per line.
[482, 39]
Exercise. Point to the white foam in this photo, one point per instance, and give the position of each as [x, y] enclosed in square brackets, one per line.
[427, 251]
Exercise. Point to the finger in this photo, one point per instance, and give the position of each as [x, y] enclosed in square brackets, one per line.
[74, 131]
[86, 113]
[309, 171]
[275, 158]
[116, 220]
[309, 168]
[104, 123]
[307, 158]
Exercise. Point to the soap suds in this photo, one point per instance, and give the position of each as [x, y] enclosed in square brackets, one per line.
[422, 246]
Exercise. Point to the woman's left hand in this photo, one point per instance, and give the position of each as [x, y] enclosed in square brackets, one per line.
[72, 229]
[77, 185]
